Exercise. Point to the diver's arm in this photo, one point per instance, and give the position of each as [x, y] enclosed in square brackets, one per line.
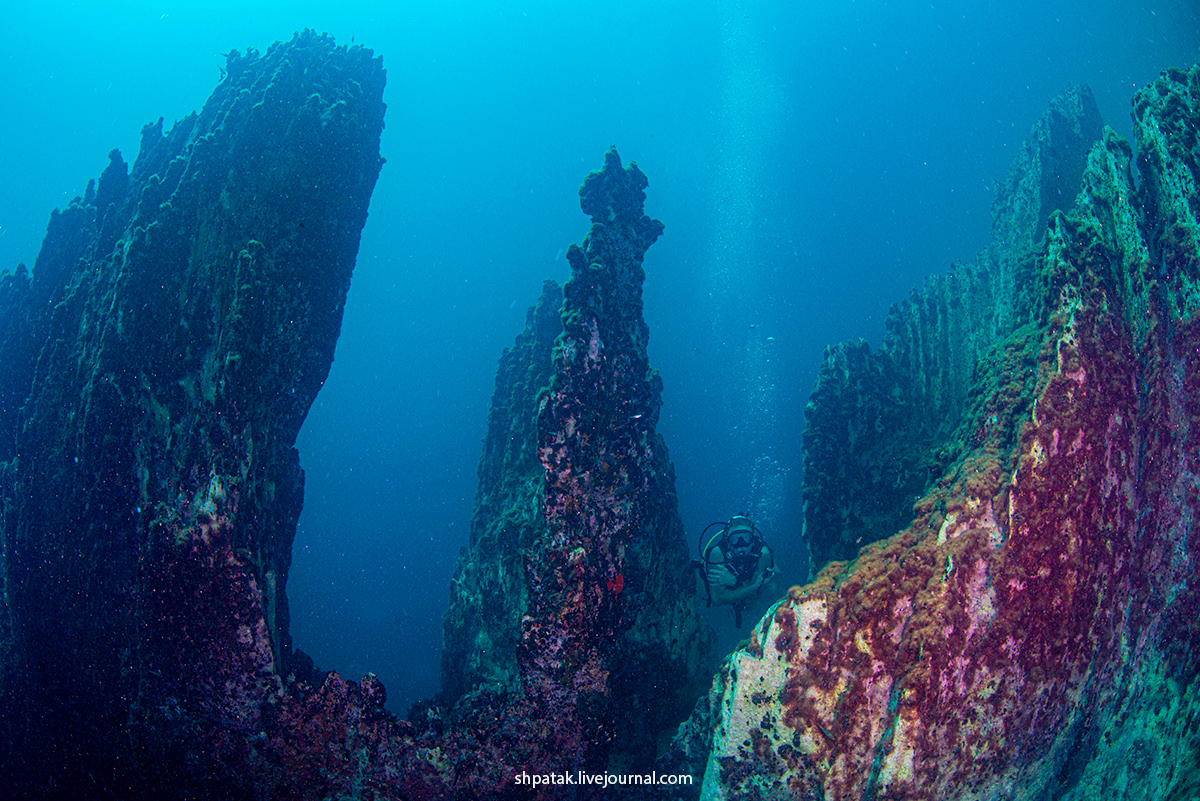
[766, 566]
[762, 572]
[721, 582]
[722, 586]
[766, 572]
[740, 594]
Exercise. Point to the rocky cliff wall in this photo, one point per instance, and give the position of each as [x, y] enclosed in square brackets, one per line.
[881, 425]
[178, 323]
[1033, 633]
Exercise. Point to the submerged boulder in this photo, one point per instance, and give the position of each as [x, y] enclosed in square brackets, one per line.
[1033, 632]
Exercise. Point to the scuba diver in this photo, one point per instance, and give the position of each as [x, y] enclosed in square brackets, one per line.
[735, 563]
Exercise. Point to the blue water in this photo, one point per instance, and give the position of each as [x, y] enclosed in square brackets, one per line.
[811, 161]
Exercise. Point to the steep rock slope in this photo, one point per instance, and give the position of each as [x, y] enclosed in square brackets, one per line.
[159, 362]
[880, 425]
[1033, 633]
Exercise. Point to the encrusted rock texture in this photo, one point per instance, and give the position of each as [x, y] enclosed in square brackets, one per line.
[489, 595]
[573, 620]
[881, 425]
[158, 363]
[1034, 632]
[1031, 631]
[160, 360]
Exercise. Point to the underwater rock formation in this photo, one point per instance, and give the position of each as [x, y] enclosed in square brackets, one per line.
[159, 361]
[1035, 631]
[573, 618]
[880, 424]
[489, 596]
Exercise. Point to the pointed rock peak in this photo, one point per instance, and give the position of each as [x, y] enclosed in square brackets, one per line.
[614, 194]
[114, 181]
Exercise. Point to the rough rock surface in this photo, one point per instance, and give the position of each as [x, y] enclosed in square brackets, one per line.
[489, 596]
[880, 425]
[158, 363]
[574, 605]
[1034, 632]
